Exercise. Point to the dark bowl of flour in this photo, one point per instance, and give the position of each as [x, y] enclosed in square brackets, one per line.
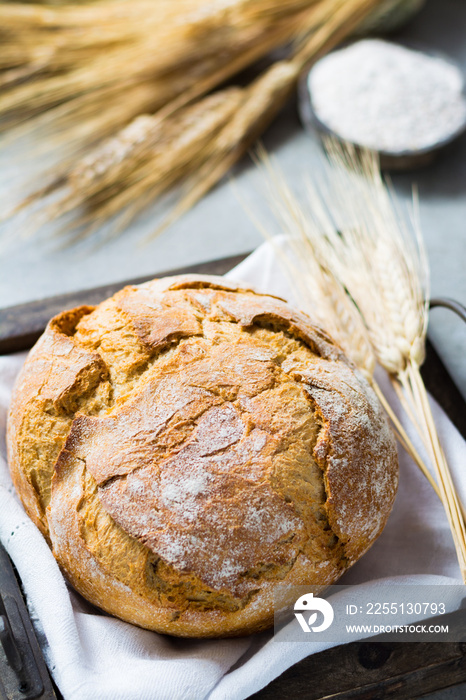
[404, 103]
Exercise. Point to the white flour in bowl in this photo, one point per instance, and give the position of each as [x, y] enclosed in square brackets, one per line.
[388, 97]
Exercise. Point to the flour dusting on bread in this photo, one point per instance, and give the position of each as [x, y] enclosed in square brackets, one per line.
[189, 445]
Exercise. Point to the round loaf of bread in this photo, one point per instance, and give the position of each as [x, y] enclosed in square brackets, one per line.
[190, 447]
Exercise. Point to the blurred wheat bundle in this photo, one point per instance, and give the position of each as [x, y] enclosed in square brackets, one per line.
[118, 94]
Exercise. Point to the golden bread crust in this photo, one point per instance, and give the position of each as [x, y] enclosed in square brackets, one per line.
[189, 446]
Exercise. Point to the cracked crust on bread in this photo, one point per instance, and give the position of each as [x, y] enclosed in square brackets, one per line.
[189, 446]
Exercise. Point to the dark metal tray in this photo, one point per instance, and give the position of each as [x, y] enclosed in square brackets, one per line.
[23, 673]
[365, 669]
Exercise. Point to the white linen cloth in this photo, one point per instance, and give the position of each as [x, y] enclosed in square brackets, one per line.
[93, 655]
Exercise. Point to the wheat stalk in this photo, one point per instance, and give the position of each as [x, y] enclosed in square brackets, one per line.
[90, 76]
[140, 159]
[355, 228]
[266, 95]
[81, 59]
[123, 186]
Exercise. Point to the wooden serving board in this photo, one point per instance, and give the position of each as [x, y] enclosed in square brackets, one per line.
[365, 670]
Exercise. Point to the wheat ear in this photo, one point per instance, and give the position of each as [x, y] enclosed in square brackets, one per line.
[125, 187]
[379, 257]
